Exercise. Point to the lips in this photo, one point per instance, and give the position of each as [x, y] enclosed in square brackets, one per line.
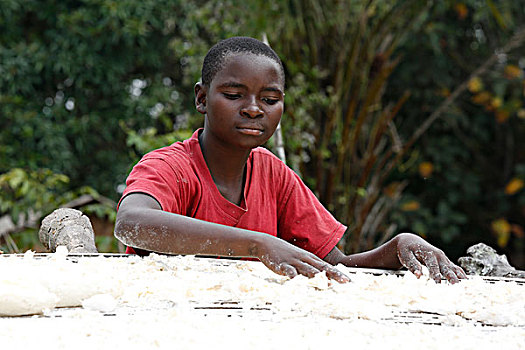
[254, 130]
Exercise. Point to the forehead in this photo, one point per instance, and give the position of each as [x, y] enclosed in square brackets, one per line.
[248, 67]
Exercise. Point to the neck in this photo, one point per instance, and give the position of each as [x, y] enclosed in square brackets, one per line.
[226, 165]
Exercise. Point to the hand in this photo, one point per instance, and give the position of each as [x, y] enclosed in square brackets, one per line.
[412, 250]
[286, 259]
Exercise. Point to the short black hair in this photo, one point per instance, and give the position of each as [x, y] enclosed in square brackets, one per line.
[214, 59]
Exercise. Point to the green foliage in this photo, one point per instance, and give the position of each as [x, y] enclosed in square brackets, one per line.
[22, 241]
[108, 244]
[149, 139]
[39, 190]
[29, 195]
[26, 196]
[71, 73]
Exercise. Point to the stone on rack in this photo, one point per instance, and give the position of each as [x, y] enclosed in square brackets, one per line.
[485, 261]
[68, 227]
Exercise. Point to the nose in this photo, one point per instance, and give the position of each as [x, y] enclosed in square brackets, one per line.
[252, 109]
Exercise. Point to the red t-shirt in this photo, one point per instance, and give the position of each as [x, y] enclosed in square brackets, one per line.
[275, 201]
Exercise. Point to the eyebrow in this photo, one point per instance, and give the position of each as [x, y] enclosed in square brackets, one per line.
[274, 90]
[233, 84]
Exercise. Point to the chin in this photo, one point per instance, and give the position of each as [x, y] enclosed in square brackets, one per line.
[251, 144]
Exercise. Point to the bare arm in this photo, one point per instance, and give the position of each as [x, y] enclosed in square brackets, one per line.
[406, 250]
[142, 224]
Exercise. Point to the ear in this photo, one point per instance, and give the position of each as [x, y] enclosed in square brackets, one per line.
[200, 97]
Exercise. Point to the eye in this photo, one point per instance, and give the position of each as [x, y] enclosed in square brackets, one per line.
[270, 101]
[230, 96]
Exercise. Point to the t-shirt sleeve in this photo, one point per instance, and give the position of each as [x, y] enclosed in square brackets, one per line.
[304, 221]
[158, 179]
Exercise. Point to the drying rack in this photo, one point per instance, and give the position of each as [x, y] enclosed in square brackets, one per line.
[232, 308]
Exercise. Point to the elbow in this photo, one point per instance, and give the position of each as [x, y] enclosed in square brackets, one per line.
[126, 229]
[118, 232]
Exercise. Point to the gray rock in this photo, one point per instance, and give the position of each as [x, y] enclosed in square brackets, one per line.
[485, 261]
[70, 228]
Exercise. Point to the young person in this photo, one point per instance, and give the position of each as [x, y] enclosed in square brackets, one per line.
[220, 194]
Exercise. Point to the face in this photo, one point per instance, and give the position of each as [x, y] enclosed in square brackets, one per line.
[244, 102]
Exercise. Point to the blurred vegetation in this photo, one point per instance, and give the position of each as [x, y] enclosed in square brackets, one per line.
[400, 115]
[466, 174]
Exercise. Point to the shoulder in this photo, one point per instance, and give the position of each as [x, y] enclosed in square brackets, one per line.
[176, 156]
[264, 156]
[175, 149]
[168, 175]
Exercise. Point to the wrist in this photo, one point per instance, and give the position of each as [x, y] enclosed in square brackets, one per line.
[257, 244]
[401, 238]
[392, 248]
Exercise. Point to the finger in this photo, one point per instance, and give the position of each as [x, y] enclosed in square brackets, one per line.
[286, 270]
[331, 272]
[449, 273]
[336, 275]
[409, 260]
[459, 272]
[306, 269]
[432, 264]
